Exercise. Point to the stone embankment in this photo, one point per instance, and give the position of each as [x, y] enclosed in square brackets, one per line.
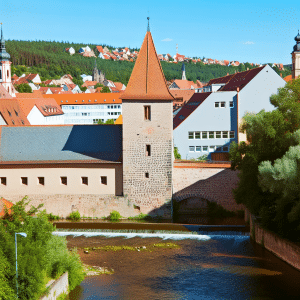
[282, 248]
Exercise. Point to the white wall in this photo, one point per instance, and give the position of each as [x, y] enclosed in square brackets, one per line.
[35, 117]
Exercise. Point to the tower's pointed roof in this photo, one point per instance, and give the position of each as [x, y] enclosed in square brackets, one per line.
[147, 80]
[3, 54]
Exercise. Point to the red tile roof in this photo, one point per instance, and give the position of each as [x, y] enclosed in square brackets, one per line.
[34, 94]
[4, 94]
[196, 100]
[82, 98]
[47, 106]
[100, 49]
[89, 83]
[12, 113]
[185, 84]
[288, 78]
[237, 80]
[183, 95]
[147, 80]
[5, 204]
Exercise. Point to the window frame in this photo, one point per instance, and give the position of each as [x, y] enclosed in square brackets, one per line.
[147, 112]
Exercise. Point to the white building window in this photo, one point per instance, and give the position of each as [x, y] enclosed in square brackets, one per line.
[204, 134]
[198, 148]
[232, 134]
[204, 148]
[225, 134]
[218, 134]
[192, 148]
[197, 135]
[3, 180]
[191, 135]
[231, 104]
[217, 104]
[223, 104]
[211, 134]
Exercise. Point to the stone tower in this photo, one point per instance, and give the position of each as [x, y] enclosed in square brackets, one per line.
[148, 135]
[5, 68]
[98, 75]
[296, 58]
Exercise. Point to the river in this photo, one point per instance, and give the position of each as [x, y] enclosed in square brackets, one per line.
[206, 266]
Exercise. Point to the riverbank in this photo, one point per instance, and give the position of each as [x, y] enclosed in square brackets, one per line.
[282, 248]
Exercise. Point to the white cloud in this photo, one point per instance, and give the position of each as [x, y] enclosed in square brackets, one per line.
[249, 43]
[167, 40]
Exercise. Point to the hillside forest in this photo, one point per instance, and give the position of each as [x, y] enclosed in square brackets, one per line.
[50, 60]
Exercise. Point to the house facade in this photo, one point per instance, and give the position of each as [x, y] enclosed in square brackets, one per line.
[210, 121]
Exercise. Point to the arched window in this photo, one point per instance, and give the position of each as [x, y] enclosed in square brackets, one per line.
[7, 74]
[8, 89]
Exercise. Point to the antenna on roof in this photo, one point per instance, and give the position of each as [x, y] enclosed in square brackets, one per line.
[148, 28]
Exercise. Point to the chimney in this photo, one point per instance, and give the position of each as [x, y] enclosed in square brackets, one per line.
[237, 89]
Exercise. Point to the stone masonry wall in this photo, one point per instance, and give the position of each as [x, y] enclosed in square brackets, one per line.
[156, 191]
[88, 205]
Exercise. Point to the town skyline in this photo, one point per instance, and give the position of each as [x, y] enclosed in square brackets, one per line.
[257, 33]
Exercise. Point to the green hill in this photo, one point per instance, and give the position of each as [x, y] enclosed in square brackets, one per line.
[50, 60]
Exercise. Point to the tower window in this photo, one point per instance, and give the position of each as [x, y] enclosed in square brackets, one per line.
[104, 180]
[148, 150]
[147, 175]
[7, 73]
[147, 111]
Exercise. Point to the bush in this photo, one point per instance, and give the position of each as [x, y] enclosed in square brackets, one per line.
[40, 255]
[74, 216]
[52, 217]
[114, 216]
[176, 153]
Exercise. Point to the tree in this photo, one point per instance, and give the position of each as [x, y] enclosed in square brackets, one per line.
[110, 121]
[23, 88]
[98, 85]
[269, 135]
[105, 89]
[41, 255]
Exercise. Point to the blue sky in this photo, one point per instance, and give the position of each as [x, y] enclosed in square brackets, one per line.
[254, 31]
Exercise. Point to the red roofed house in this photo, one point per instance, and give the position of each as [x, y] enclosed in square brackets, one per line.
[210, 120]
[41, 111]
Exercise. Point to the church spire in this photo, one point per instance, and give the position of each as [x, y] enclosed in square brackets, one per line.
[148, 28]
[3, 54]
[147, 80]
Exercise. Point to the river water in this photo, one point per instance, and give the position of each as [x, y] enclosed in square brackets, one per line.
[208, 266]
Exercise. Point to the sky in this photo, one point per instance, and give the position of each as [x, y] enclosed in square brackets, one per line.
[247, 31]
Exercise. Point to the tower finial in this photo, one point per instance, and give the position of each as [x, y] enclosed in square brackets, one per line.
[148, 28]
[1, 32]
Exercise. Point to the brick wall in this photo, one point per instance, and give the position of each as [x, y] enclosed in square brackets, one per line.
[156, 191]
[212, 184]
[284, 249]
[88, 205]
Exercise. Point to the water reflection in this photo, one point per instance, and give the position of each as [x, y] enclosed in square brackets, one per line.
[222, 267]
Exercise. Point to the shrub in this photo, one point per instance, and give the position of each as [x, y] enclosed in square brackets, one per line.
[52, 217]
[74, 216]
[114, 216]
[203, 157]
[40, 255]
[176, 153]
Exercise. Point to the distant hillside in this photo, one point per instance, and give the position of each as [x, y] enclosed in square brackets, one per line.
[50, 60]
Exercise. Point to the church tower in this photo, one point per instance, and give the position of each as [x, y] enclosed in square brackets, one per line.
[98, 75]
[147, 107]
[296, 58]
[5, 68]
